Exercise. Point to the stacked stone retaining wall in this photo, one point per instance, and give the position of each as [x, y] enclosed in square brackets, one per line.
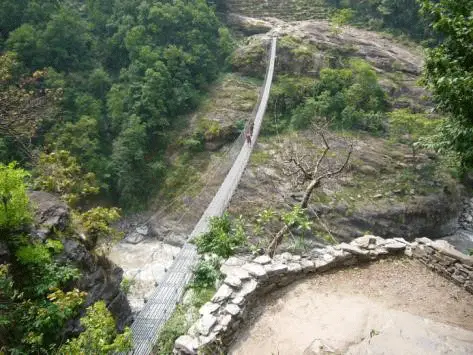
[247, 279]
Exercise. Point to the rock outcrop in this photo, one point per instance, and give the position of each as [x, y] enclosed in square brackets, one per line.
[100, 278]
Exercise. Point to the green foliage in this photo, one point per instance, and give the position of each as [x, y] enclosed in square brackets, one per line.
[176, 326]
[126, 71]
[349, 98]
[33, 307]
[297, 217]
[409, 128]
[398, 16]
[449, 74]
[126, 285]
[96, 224]
[14, 203]
[340, 18]
[206, 273]
[224, 237]
[100, 335]
[129, 164]
[60, 173]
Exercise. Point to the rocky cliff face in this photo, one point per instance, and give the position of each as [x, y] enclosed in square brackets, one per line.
[100, 277]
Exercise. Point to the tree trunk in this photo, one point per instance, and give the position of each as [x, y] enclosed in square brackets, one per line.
[277, 240]
[308, 192]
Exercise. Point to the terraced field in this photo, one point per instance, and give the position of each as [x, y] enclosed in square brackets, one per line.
[288, 10]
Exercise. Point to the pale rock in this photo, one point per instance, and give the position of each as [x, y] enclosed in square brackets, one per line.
[255, 270]
[209, 307]
[225, 320]
[395, 246]
[286, 256]
[222, 294]
[233, 309]
[143, 230]
[294, 267]
[234, 261]
[263, 259]
[424, 240]
[240, 273]
[327, 258]
[205, 323]
[353, 249]
[296, 258]
[238, 300]
[233, 281]
[307, 265]
[275, 269]
[247, 288]
[186, 344]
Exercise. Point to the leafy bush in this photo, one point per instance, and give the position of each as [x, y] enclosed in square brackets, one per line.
[96, 224]
[223, 238]
[100, 335]
[206, 273]
[59, 172]
[411, 128]
[349, 98]
[14, 203]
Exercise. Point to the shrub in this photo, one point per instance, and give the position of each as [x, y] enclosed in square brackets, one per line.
[206, 273]
[100, 335]
[59, 172]
[14, 203]
[223, 238]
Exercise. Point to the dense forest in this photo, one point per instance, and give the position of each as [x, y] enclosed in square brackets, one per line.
[105, 81]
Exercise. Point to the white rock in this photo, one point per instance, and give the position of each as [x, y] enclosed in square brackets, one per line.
[232, 281]
[353, 249]
[234, 261]
[205, 323]
[238, 300]
[263, 259]
[225, 320]
[222, 294]
[255, 270]
[186, 344]
[286, 256]
[239, 273]
[275, 269]
[294, 267]
[209, 307]
[247, 288]
[233, 309]
[143, 230]
[395, 246]
[328, 258]
[307, 265]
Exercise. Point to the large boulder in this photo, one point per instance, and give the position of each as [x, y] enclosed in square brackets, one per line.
[101, 279]
[50, 213]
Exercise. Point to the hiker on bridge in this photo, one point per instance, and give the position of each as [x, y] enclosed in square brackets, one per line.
[249, 133]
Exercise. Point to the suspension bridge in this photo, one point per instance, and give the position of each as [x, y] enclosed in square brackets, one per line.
[169, 292]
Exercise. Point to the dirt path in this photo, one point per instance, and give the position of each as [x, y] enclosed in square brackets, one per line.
[390, 307]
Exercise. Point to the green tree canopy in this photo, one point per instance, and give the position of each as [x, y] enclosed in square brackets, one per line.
[449, 73]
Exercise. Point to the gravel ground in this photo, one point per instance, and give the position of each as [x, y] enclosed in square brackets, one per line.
[394, 306]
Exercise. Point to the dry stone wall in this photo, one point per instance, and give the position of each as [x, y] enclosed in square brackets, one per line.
[245, 280]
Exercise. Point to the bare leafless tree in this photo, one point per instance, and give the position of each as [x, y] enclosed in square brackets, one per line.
[305, 170]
